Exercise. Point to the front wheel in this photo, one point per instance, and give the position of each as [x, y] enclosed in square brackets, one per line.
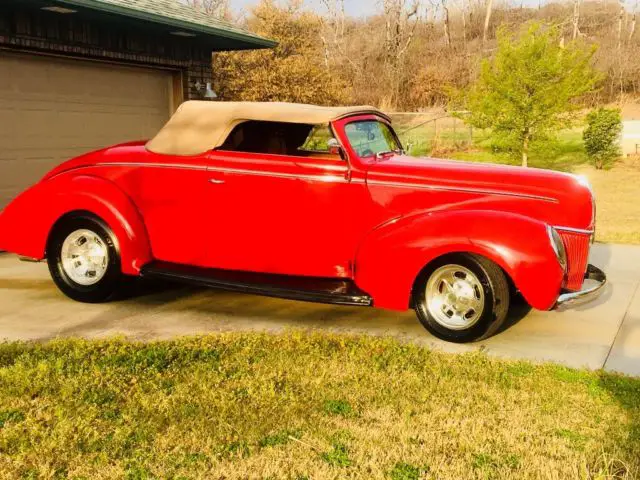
[83, 259]
[462, 298]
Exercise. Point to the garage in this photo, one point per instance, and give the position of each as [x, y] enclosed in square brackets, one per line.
[76, 76]
[52, 109]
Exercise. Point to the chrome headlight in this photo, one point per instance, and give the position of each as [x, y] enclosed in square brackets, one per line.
[558, 246]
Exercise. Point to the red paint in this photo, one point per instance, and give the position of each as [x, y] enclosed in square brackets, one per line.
[378, 222]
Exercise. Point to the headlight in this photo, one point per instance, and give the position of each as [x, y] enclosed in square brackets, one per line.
[558, 246]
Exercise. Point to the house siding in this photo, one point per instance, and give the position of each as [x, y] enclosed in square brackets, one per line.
[26, 30]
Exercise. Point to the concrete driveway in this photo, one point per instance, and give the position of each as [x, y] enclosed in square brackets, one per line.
[605, 334]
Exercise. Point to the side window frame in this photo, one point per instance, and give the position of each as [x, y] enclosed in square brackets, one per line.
[321, 155]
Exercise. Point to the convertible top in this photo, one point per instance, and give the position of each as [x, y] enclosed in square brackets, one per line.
[199, 126]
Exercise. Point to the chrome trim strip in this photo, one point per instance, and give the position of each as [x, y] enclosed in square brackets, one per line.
[574, 299]
[574, 230]
[461, 189]
[320, 177]
[184, 166]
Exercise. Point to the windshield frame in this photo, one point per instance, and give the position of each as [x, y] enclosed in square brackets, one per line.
[368, 118]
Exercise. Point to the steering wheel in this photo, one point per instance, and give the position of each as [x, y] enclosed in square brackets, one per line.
[367, 153]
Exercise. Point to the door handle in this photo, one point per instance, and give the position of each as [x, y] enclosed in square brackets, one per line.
[216, 181]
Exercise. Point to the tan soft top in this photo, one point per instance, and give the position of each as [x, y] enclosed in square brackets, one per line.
[199, 126]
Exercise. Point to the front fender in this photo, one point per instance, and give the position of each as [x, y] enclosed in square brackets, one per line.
[392, 255]
[26, 222]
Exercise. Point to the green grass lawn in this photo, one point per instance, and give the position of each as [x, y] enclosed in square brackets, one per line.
[567, 155]
[298, 406]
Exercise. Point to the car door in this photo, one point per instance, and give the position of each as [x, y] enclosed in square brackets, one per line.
[284, 214]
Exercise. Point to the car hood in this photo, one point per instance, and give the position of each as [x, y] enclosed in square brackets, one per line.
[567, 199]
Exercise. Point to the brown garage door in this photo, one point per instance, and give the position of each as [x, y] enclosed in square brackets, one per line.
[54, 109]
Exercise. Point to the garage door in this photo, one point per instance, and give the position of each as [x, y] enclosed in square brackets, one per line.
[54, 109]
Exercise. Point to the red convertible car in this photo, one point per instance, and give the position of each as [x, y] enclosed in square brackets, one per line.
[316, 204]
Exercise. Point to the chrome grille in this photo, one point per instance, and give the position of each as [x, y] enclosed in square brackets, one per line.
[577, 246]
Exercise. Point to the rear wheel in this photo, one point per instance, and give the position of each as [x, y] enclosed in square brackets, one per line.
[83, 259]
[462, 298]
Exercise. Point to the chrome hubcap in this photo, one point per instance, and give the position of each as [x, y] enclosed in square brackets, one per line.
[455, 297]
[85, 257]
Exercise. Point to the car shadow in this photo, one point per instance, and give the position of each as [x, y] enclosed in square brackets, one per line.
[241, 310]
[154, 291]
[518, 310]
[238, 307]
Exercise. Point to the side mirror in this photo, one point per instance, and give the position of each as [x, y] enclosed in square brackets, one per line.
[334, 147]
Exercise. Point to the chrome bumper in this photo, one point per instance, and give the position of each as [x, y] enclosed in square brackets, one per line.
[574, 299]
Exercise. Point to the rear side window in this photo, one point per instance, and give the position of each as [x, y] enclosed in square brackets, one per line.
[278, 138]
[267, 137]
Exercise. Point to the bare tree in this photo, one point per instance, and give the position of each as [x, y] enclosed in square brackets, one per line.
[632, 28]
[487, 19]
[464, 23]
[620, 20]
[333, 31]
[216, 8]
[401, 18]
[445, 21]
[576, 18]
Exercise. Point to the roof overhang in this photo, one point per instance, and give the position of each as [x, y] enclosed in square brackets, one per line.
[217, 35]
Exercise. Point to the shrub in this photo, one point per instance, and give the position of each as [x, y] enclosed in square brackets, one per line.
[529, 89]
[601, 136]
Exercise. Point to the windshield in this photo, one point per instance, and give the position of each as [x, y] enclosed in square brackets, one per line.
[371, 137]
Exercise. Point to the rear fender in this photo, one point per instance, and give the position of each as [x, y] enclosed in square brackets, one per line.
[26, 222]
[393, 255]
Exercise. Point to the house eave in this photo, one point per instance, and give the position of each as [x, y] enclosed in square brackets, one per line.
[245, 41]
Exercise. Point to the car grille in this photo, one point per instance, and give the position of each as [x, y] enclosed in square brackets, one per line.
[577, 246]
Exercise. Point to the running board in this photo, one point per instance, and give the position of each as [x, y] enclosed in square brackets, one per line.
[307, 289]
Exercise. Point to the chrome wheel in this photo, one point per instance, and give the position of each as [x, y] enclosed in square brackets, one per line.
[454, 297]
[84, 257]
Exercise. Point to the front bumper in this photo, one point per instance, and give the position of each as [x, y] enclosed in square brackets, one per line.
[574, 299]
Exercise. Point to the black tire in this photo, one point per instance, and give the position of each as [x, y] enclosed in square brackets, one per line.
[111, 282]
[496, 299]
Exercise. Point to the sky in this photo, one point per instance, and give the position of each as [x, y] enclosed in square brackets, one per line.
[355, 8]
